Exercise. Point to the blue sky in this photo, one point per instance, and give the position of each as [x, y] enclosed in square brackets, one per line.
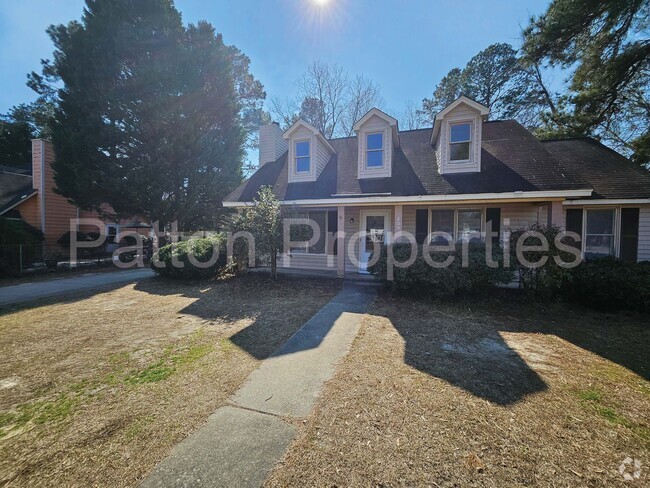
[405, 46]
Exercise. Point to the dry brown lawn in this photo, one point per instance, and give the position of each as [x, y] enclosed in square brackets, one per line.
[96, 389]
[495, 393]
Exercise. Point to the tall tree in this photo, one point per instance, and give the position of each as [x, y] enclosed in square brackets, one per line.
[18, 127]
[496, 78]
[329, 100]
[606, 46]
[149, 115]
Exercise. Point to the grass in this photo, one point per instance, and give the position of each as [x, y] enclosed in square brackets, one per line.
[501, 392]
[101, 386]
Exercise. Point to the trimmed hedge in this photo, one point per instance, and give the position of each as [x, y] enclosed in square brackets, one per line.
[202, 249]
[452, 280]
[609, 284]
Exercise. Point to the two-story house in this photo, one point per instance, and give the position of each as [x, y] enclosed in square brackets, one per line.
[455, 177]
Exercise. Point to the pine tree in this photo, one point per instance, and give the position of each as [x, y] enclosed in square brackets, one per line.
[148, 118]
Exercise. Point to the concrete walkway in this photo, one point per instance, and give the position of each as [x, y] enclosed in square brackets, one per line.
[241, 442]
[60, 286]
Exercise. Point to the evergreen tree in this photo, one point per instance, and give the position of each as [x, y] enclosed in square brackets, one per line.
[605, 44]
[496, 78]
[148, 118]
[18, 127]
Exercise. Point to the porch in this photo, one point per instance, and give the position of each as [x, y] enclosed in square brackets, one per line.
[347, 232]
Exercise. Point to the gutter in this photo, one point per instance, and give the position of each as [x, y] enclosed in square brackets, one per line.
[22, 199]
[606, 201]
[516, 195]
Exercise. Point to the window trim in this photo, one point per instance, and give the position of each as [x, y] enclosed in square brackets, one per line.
[296, 157]
[616, 228]
[326, 231]
[110, 236]
[381, 149]
[469, 141]
[480, 208]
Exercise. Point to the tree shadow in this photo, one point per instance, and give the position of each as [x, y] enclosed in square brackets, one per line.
[620, 337]
[468, 350]
[469, 354]
[276, 309]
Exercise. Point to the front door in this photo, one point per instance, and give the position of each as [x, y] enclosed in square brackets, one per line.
[376, 225]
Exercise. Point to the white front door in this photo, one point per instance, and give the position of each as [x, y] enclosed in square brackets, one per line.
[376, 225]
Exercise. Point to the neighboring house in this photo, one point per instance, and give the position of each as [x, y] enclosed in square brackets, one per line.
[29, 195]
[455, 177]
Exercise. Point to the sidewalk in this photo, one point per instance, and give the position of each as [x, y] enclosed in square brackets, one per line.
[242, 441]
[60, 286]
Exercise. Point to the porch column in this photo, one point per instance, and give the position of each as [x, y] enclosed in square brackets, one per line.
[398, 219]
[554, 214]
[340, 243]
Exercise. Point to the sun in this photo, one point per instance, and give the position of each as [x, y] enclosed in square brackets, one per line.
[321, 3]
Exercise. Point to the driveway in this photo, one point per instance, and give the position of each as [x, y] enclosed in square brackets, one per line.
[60, 286]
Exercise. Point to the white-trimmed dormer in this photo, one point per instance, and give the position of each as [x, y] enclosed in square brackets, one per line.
[309, 152]
[377, 135]
[456, 136]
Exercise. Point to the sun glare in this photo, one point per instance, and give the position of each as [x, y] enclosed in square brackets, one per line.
[321, 3]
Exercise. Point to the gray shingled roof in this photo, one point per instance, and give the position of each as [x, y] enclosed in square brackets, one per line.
[606, 171]
[512, 159]
[15, 186]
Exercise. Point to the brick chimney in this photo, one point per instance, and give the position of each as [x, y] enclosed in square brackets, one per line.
[272, 145]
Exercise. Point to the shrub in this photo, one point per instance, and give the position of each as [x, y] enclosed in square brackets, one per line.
[14, 233]
[452, 280]
[66, 239]
[546, 280]
[610, 284]
[200, 249]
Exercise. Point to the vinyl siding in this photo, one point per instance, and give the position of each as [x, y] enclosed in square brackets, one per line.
[375, 124]
[309, 261]
[320, 155]
[521, 216]
[350, 229]
[644, 234]
[461, 113]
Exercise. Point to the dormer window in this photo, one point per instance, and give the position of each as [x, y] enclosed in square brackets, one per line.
[460, 140]
[377, 138]
[456, 136]
[375, 150]
[303, 158]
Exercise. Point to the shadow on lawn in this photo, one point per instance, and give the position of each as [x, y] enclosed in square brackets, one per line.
[470, 355]
[276, 308]
[622, 338]
[467, 350]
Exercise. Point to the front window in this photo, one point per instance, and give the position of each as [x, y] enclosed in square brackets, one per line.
[599, 234]
[460, 224]
[375, 150]
[469, 224]
[442, 221]
[460, 138]
[320, 219]
[303, 160]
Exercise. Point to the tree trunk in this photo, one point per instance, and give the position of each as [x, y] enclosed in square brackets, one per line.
[274, 265]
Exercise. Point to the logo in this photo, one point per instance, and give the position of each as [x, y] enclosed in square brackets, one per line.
[630, 469]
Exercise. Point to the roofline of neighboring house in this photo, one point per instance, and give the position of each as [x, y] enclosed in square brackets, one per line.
[608, 201]
[516, 195]
[18, 202]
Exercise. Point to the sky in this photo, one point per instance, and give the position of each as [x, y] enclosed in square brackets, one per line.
[405, 46]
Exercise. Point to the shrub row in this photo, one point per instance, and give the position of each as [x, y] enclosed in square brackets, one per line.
[452, 280]
[188, 253]
[609, 284]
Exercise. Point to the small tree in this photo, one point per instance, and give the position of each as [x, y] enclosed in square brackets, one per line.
[264, 221]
